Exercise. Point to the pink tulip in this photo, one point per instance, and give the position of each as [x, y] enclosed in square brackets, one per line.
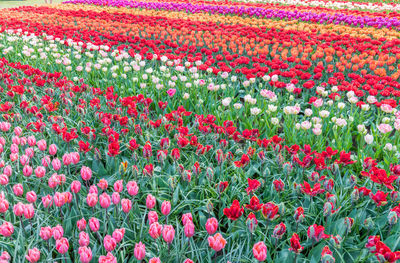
[7, 170]
[67, 159]
[186, 218]
[24, 160]
[18, 189]
[118, 234]
[56, 163]
[62, 245]
[27, 171]
[216, 242]
[168, 233]
[155, 260]
[47, 201]
[211, 225]
[75, 187]
[115, 198]
[86, 173]
[58, 232]
[30, 152]
[105, 200]
[103, 184]
[59, 199]
[107, 259]
[17, 131]
[31, 141]
[118, 186]
[40, 171]
[140, 251]
[3, 205]
[84, 239]
[153, 217]
[94, 224]
[155, 230]
[93, 189]
[31, 196]
[171, 92]
[189, 229]
[4, 179]
[92, 199]
[75, 157]
[18, 209]
[150, 201]
[81, 224]
[33, 255]
[14, 148]
[260, 251]
[109, 243]
[126, 205]
[6, 229]
[46, 233]
[52, 149]
[85, 254]
[132, 188]
[29, 211]
[166, 208]
[16, 140]
[46, 161]
[42, 145]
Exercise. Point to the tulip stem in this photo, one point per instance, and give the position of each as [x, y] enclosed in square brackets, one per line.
[295, 258]
[141, 227]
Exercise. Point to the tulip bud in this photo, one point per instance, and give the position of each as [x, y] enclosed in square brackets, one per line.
[251, 222]
[394, 196]
[210, 207]
[210, 173]
[348, 222]
[328, 209]
[392, 218]
[369, 223]
[355, 195]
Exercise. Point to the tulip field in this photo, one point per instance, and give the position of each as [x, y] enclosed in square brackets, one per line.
[200, 131]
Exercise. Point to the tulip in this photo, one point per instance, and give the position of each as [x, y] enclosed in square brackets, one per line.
[86, 173]
[216, 242]
[109, 243]
[105, 200]
[6, 229]
[140, 251]
[118, 234]
[94, 224]
[118, 186]
[85, 254]
[168, 233]
[126, 205]
[132, 188]
[150, 201]
[81, 224]
[189, 229]
[62, 245]
[211, 225]
[33, 255]
[152, 217]
[165, 208]
[260, 251]
[155, 230]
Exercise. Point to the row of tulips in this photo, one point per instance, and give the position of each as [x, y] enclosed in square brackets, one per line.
[388, 6]
[270, 11]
